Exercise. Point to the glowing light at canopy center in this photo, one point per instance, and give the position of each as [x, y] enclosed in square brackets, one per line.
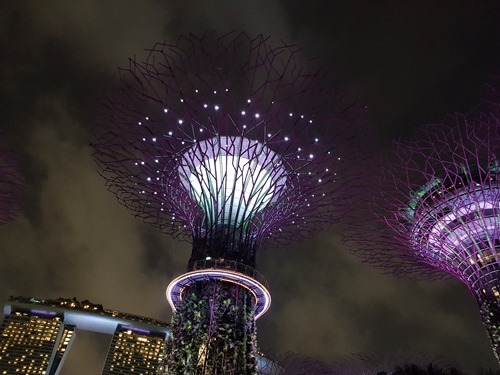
[232, 178]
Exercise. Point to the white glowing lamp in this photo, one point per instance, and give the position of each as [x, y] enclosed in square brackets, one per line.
[232, 178]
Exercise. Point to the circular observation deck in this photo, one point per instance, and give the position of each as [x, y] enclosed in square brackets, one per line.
[223, 270]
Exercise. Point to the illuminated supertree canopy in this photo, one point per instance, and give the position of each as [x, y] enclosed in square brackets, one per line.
[234, 144]
[10, 184]
[437, 210]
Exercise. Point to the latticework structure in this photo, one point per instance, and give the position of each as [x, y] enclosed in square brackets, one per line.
[10, 184]
[233, 144]
[437, 210]
[396, 363]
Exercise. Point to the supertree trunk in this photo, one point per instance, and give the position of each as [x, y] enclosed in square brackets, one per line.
[213, 332]
[490, 314]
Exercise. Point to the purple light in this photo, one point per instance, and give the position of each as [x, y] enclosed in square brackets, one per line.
[260, 292]
[251, 77]
[43, 312]
[437, 210]
[445, 203]
[226, 185]
[136, 329]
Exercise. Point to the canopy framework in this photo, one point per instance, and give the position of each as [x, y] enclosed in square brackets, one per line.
[186, 96]
[234, 144]
[436, 210]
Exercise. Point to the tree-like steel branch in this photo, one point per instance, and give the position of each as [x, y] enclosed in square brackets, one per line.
[209, 116]
[229, 142]
[435, 207]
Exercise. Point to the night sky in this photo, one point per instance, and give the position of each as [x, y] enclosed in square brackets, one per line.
[410, 62]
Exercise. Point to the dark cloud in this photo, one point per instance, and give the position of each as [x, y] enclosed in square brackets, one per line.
[330, 305]
[409, 63]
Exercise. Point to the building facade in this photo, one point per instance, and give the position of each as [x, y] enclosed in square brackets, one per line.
[36, 336]
[134, 350]
[32, 342]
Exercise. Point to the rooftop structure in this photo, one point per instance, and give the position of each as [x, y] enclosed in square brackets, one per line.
[437, 210]
[138, 343]
[84, 314]
[234, 144]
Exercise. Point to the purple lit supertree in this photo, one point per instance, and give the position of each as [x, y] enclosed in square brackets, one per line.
[10, 183]
[437, 210]
[233, 144]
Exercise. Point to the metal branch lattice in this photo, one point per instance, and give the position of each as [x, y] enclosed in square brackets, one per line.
[228, 134]
[436, 207]
[228, 142]
[10, 184]
[425, 192]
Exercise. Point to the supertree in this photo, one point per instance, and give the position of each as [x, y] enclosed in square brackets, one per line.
[10, 183]
[233, 144]
[394, 363]
[436, 210]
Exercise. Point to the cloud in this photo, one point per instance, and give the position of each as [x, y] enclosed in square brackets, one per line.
[327, 305]
[74, 239]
